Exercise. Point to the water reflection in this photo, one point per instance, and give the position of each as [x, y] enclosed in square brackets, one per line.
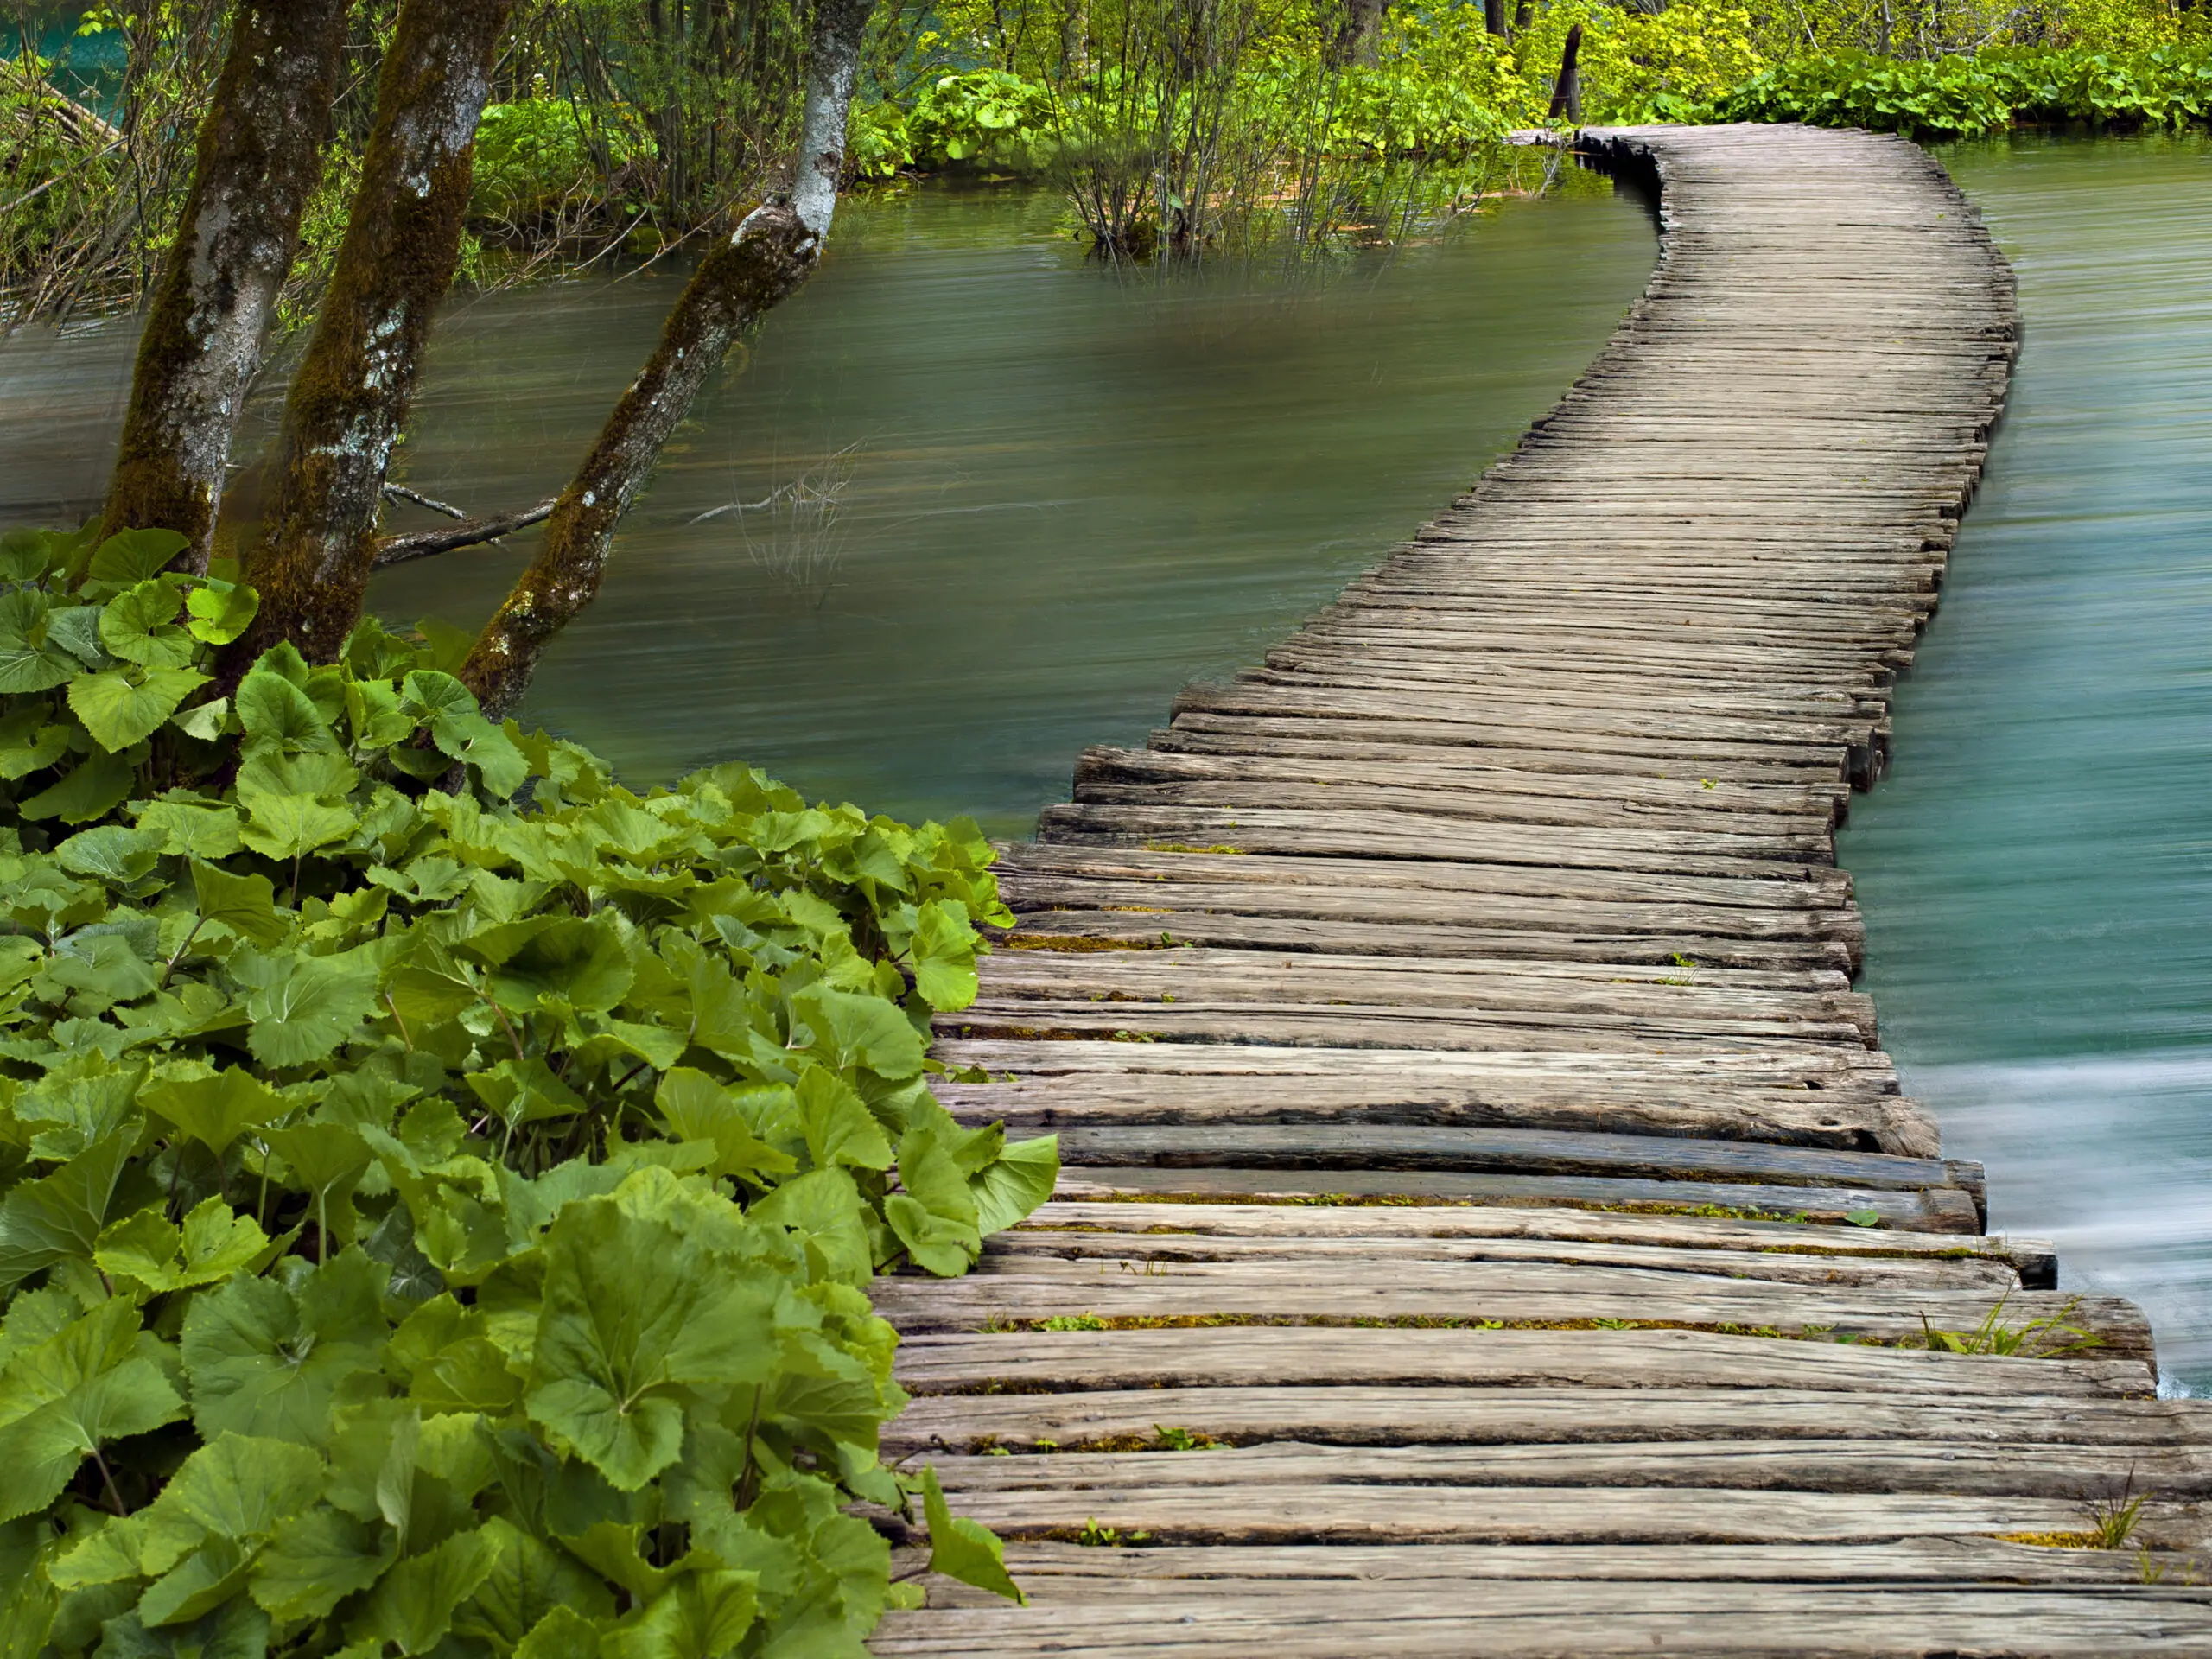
[2036, 873]
[1066, 493]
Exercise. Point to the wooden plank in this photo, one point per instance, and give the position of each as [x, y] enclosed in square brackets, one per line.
[1788, 1118]
[2010, 1428]
[1035, 1362]
[1400, 1006]
[1938, 1210]
[1470, 1294]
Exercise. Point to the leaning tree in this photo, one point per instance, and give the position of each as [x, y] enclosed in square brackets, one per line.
[259, 158]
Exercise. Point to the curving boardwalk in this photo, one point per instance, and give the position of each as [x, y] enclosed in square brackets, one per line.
[1475, 1148]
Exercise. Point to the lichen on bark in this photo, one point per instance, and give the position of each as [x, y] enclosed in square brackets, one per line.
[349, 399]
[260, 155]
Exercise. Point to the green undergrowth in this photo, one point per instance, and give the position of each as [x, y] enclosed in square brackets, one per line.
[1988, 92]
[438, 1185]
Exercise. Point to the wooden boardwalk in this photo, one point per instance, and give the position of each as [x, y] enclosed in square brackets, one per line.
[1477, 1157]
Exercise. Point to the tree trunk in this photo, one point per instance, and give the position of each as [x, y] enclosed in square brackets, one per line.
[1494, 16]
[1567, 96]
[770, 254]
[352, 395]
[260, 156]
[1357, 27]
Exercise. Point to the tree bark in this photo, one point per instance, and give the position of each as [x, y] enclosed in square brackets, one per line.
[354, 387]
[260, 156]
[1567, 96]
[770, 254]
[1494, 16]
[1358, 29]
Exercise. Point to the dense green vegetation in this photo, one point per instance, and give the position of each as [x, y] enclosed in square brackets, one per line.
[440, 1184]
[619, 128]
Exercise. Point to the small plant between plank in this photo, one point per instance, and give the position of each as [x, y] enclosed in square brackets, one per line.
[2048, 1338]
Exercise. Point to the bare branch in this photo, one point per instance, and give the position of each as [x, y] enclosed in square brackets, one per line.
[470, 532]
[401, 493]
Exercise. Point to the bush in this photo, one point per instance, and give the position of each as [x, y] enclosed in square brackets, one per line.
[2164, 86]
[987, 119]
[534, 157]
[438, 1185]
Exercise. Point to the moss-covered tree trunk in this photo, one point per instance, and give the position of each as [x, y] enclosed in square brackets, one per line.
[764, 260]
[356, 381]
[260, 155]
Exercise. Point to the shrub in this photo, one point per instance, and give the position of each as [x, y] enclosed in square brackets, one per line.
[437, 1185]
[2166, 86]
[536, 156]
[989, 119]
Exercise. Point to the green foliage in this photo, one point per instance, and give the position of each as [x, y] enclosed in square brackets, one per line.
[2038, 1338]
[537, 156]
[989, 119]
[2166, 86]
[438, 1186]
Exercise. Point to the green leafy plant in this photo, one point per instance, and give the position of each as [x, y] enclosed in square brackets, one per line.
[990, 120]
[2038, 1338]
[2113, 1518]
[438, 1185]
[2162, 86]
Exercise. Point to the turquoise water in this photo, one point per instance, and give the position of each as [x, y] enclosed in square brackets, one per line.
[2036, 872]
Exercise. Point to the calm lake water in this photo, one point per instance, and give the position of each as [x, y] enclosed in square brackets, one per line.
[1064, 493]
[2036, 872]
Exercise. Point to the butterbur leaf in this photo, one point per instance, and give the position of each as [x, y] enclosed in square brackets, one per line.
[92, 789]
[413, 1605]
[857, 1031]
[839, 1129]
[326, 1161]
[139, 625]
[701, 1615]
[288, 827]
[634, 1307]
[122, 706]
[562, 1634]
[211, 1575]
[304, 1006]
[580, 963]
[697, 1108]
[964, 1550]
[215, 1110]
[945, 956]
[316, 1561]
[57, 1217]
[936, 1216]
[531, 1581]
[244, 904]
[29, 661]
[823, 1206]
[236, 1630]
[280, 716]
[1015, 1183]
[130, 556]
[148, 1249]
[116, 854]
[220, 611]
[68, 1395]
[191, 829]
[264, 1361]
